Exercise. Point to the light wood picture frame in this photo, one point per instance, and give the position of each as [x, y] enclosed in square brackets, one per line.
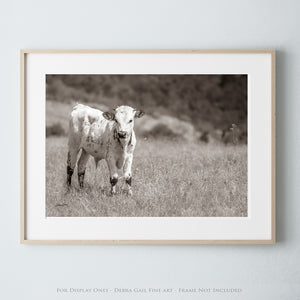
[42, 69]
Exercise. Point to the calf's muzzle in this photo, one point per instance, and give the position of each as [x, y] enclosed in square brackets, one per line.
[122, 134]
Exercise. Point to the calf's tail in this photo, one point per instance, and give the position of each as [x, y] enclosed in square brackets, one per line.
[96, 162]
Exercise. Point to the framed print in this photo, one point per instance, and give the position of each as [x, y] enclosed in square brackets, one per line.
[148, 146]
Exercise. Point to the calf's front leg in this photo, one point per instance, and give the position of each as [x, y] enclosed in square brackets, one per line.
[113, 171]
[127, 173]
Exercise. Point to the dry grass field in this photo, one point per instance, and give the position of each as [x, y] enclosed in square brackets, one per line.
[170, 178]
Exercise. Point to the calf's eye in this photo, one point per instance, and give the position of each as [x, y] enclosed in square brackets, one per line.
[130, 121]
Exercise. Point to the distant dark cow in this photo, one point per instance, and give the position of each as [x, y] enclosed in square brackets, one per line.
[231, 135]
[103, 135]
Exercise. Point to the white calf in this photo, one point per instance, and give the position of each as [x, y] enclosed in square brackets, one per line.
[103, 135]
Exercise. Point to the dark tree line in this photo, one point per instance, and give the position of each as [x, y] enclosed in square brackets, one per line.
[208, 101]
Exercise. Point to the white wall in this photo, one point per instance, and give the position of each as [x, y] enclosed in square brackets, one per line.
[262, 272]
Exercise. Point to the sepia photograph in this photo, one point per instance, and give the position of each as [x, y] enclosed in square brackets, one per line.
[146, 145]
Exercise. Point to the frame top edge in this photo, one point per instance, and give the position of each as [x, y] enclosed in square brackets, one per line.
[146, 51]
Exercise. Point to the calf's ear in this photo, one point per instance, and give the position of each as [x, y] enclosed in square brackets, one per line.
[109, 115]
[139, 113]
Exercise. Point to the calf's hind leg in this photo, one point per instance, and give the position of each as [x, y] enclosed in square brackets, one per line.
[71, 162]
[81, 166]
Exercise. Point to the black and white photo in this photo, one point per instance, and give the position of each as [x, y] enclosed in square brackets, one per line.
[146, 145]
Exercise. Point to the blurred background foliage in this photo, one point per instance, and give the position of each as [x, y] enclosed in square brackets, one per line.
[202, 107]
